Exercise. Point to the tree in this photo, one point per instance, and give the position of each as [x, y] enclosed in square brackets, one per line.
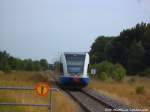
[131, 49]
[44, 64]
[116, 51]
[4, 65]
[146, 45]
[36, 65]
[97, 49]
[8, 62]
[135, 62]
[28, 65]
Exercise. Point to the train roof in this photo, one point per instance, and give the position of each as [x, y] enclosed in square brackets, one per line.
[75, 52]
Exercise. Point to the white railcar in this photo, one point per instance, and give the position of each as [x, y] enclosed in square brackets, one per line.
[74, 69]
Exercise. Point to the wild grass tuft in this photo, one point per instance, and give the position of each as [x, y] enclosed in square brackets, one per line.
[140, 90]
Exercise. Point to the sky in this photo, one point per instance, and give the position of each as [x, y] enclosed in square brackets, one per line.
[44, 28]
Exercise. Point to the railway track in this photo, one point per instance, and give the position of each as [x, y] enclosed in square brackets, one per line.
[107, 101]
[92, 101]
[87, 103]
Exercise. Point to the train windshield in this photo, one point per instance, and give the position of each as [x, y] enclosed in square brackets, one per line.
[75, 63]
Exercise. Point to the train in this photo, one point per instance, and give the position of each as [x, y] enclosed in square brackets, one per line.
[74, 69]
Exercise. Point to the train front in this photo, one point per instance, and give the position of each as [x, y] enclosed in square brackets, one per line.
[74, 70]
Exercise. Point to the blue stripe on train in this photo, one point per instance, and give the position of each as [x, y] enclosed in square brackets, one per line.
[68, 81]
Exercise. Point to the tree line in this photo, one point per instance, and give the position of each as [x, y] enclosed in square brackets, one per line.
[131, 49]
[8, 63]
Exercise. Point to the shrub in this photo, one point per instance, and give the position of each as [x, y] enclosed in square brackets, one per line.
[106, 69]
[104, 66]
[140, 90]
[103, 76]
[119, 72]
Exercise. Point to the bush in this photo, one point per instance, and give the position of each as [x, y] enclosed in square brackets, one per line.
[140, 90]
[104, 66]
[106, 69]
[119, 72]
[103, 76]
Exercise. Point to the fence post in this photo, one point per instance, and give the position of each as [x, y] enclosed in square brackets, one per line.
[50, 102]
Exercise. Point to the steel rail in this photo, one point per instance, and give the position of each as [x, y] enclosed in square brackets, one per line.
[87, 103]
[109, 102]
[24, 104]
[23, 88]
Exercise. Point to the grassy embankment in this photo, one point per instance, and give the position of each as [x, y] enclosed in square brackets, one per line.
[30, 79]
[126, 91]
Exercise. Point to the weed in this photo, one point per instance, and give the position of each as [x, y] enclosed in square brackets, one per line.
[103, 76]
[140, 90]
